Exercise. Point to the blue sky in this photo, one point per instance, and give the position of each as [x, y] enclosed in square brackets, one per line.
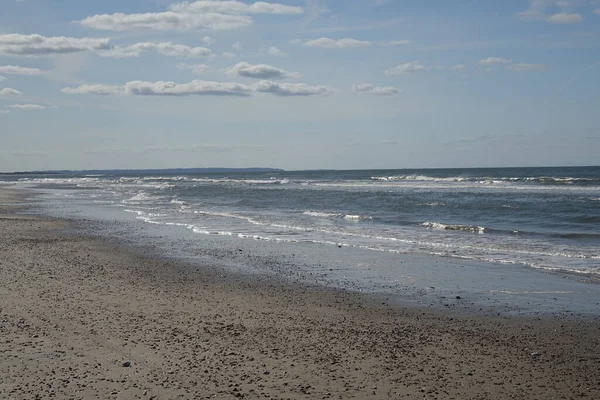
[299, 84]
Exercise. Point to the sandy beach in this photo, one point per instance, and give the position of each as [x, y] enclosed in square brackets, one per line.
[84, 319]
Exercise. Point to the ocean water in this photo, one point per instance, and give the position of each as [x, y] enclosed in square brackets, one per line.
[531, 218]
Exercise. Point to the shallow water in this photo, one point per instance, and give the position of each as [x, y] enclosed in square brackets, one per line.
[545, 218]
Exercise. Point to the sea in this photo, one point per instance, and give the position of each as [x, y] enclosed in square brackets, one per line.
[525, 219]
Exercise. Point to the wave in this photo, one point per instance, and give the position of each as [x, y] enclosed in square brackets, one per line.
[270, 181]
[140, 197]
[351, 217]
[464, 228]
[418, 178]
[541, 180]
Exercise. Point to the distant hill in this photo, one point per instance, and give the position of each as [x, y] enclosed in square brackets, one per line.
[169, 171]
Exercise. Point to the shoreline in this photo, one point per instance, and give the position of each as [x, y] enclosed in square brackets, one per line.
[74, 309]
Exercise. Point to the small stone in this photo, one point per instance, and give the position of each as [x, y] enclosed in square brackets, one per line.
[127, 364]
[458, 297]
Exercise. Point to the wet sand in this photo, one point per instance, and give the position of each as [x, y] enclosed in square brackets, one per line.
[81, 318]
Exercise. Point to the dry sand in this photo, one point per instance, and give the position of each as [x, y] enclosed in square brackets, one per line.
[73, 310]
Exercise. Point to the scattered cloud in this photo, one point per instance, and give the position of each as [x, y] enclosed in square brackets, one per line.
[99, 90]
[398, 43]
[490, 61]
[197, 69]
[141, 88]
[368, 88]
[525, 67]
[37, 45]
[237, 46]
[26, 107]
[406, 68]
[198, 15]
[295, 41]
[2, 78]
[536, 10]
[564, 18]
[166, 21]
[327, 43]
[233, 7]
[16, 70]
[459, 68]
[196, 87]
[260, 71]
[291, 89]
[597, 11]
[9, 92]
[207, 40]
[201, 88]
[164, 48]
[4, 111]
[274, 51]
[228, 54]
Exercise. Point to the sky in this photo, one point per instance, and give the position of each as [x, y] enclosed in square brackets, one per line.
[298, 84]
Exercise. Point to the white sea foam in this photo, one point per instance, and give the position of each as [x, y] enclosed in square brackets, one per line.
[417, 178]
[465, 228]
[140, 197]
[323, 214]
[351, 217]
[357, 217]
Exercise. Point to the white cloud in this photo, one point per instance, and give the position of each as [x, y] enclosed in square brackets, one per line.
[459, 67]
[100, 90]
[164, 48]
[368, 88]
[207, 40]
[201, 88]
[327, 43]
[597, 11]
[16, 70]
[237, 46]
[295, 41]
[525, 67]
[38, 45]
[200, 69]
[233, 7]
[9, 92]
[205, 15]
[564, 18]
[291, 89]
[27, 107]
[536, 9]
[228, 54]
[398, 43]
[166, 21]
[195, 87]
[4, 111]
[260, 71]
[197, 69]
[274, 51]
[490, 61]
[2, 78]
[407, 68]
